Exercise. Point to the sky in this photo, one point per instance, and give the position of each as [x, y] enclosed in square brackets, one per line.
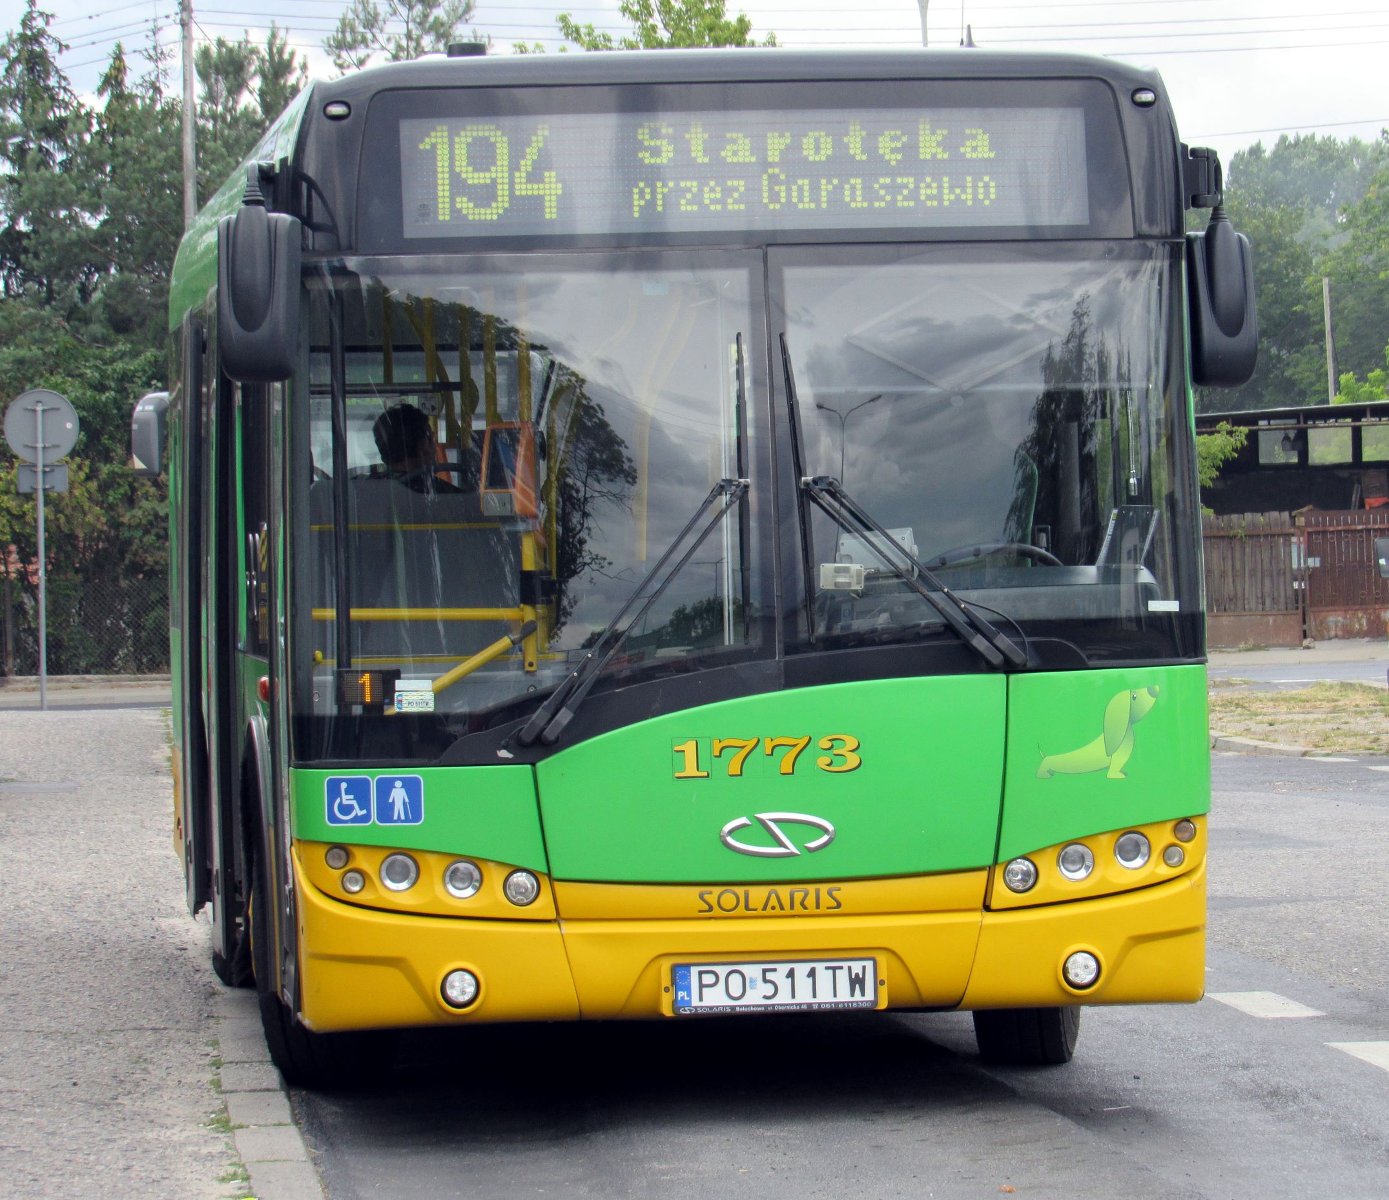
[1238, 71]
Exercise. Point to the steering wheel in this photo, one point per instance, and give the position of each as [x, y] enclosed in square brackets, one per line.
[965, 553]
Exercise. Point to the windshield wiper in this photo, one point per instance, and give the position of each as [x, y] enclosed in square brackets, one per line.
[828, 495]
[550, 719]
[990, 643]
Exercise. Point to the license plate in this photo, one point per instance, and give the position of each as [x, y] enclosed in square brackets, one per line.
[775, 986]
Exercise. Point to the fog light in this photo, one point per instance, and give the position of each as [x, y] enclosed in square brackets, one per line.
[1081, 969]
[1184, 830]
[1132, 850]
[336, 857]
[459, 988]
[521, 888]
[1019, 875]
[1174, 856]
[353, 881]
[1075, 861]
[462, 879]
[399, 872]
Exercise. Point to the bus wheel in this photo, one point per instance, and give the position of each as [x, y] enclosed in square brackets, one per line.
[1027, 1037]
[305, 1059]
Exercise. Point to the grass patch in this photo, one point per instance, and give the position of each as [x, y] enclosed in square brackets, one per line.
[1330, 717]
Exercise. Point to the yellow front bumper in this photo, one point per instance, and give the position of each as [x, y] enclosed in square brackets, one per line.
[361, 968]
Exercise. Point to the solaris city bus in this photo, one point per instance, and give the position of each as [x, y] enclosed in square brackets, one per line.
[658, 535]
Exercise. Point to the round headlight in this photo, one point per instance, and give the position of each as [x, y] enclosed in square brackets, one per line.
[1184, 830]
[1075, 861]
[459, 988]
[1132, 850]
[462, 879]
[521, 888]
[353, 882]
[1019, 875]
[1081, 969]
[336, 857]
[399, 872]
[1174, 856]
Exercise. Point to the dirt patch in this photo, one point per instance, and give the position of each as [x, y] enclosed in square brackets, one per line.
[1331, 717]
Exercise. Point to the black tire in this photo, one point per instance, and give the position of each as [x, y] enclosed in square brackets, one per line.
[236, 971]
[1027, 1037]
[305, 1059]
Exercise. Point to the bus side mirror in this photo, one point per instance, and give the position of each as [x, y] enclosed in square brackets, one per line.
[258, 260]
[1382, 556]
[1220, 290]
[148, 436]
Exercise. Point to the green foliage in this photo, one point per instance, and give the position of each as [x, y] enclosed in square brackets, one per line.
[1214, 450]
[91, 211]
[667, 25]
[1374, 387]
[395, 30]
[1311, 207]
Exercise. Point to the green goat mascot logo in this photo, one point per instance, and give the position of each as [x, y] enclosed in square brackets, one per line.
[1110, 751]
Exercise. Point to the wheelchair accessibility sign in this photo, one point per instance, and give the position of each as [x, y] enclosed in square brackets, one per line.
[384, 800]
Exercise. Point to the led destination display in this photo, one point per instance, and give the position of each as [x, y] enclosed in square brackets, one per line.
[631, 173]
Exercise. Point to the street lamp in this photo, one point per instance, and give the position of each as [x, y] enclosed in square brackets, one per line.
[843, 419]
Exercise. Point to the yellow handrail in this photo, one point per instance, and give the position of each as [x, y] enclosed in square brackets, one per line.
[425, 614]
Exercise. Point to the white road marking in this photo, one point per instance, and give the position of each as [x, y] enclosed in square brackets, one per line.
[1264, 1004]
[1370, 768]
[1374, 1053]
[1330, 758]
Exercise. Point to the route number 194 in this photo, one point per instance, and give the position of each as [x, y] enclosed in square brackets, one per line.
[474, 177]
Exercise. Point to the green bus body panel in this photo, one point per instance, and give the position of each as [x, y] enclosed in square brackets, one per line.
[483, 812]
[923, 798]
[1090, 751]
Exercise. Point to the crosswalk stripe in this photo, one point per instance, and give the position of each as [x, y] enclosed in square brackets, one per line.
[1374, 1053]
[1267, 1005]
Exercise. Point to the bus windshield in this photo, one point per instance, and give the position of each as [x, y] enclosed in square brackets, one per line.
[500, 450]
[1007, 414]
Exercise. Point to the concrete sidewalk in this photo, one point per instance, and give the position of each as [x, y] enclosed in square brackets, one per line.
[1341, 650]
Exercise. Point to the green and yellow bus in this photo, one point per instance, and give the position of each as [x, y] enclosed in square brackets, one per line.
[660, 535]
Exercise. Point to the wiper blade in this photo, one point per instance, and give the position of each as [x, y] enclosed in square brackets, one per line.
[828, 494]
[550, 719]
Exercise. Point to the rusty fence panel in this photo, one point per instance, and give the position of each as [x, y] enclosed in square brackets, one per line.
[1345, 595]
[1252, 595]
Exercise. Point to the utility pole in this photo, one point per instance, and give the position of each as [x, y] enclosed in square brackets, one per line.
[923, 5]
[190, 161]
[1330, 340]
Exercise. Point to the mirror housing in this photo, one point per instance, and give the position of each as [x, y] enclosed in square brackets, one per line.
[1382, 557]
[258, 261]
[148, 435]
[1220, 291]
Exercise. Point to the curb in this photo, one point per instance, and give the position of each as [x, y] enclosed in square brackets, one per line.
[267, 1141]
[1224, 743]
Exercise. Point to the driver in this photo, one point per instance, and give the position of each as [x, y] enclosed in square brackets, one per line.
[405, 440]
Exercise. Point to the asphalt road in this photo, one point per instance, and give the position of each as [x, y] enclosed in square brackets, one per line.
[1213, 1100]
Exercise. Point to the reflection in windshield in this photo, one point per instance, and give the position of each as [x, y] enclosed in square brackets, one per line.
[547, 435]
[1001, 413]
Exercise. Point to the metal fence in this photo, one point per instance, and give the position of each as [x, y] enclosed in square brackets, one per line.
[105, 626]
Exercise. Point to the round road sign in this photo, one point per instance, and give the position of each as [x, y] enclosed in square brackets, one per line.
[40, 409]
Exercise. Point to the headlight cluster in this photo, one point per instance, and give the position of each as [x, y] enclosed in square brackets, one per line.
[1101, 864]
[399, 873]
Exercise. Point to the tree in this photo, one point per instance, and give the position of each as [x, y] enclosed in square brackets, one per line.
[1214, 450]
[667, 25]
[43, 130]
[395, 29]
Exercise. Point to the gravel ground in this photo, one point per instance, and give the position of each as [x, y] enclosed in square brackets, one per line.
[106, 997]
